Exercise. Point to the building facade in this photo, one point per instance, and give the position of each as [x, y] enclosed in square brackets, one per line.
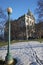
[30, 25]
[26, 24]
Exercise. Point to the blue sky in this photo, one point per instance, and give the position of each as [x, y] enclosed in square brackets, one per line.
[19, 7]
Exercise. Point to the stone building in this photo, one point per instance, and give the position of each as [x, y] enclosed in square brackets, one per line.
[23, 27]
[26, 24]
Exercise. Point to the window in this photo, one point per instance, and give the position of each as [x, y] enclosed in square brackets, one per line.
[30, 22]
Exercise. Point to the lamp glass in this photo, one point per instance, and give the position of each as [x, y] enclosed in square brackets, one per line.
[9, 10]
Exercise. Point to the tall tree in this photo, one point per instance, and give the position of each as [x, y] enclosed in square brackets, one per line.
[2, 21]
[39, 10]
[2, 16]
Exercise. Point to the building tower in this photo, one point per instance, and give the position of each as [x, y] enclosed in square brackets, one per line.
[30, 23]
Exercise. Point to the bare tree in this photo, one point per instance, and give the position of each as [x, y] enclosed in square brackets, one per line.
[2, 20]
[39, 10]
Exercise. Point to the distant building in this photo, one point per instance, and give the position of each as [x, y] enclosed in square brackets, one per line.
[26, 24]
[23, 27]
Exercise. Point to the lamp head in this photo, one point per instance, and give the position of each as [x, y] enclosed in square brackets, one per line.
[9, 10]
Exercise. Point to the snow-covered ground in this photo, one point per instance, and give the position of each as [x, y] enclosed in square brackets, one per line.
[26, 53]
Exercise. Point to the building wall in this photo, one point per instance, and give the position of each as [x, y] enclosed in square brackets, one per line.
[29, 22]
[26, 24]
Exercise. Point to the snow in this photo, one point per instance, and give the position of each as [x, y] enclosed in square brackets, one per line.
[26, 53]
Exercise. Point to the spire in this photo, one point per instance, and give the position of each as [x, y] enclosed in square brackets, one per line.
[29, 13]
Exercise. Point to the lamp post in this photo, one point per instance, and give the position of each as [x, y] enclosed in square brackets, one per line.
[9, 59]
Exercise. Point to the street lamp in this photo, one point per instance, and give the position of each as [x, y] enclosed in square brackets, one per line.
[9, 59]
